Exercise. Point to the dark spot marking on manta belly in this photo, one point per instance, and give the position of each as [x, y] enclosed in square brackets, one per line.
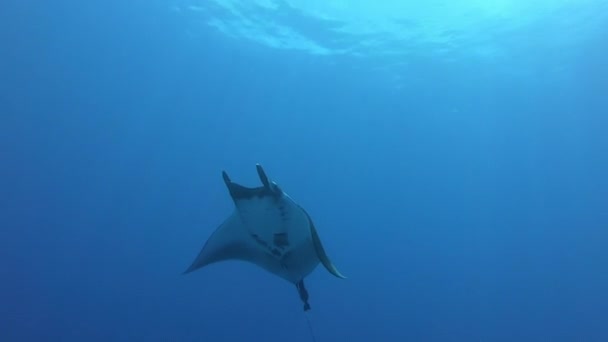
[283, 212]
[274, 251]
[259, 241]
[281, 240]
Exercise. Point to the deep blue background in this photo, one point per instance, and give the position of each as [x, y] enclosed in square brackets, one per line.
[488, 223]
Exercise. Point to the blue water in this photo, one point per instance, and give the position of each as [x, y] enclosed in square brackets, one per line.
[453, 157]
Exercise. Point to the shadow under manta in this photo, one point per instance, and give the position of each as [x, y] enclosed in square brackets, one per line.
[269, 229]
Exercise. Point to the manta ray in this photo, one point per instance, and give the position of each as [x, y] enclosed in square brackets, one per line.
[270, 230]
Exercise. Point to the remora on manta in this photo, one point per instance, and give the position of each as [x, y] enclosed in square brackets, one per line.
[269, 229]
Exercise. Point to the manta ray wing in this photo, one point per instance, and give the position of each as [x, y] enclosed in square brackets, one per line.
[228, 242]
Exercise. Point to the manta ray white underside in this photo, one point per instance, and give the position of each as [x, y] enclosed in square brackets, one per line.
[269, 229]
